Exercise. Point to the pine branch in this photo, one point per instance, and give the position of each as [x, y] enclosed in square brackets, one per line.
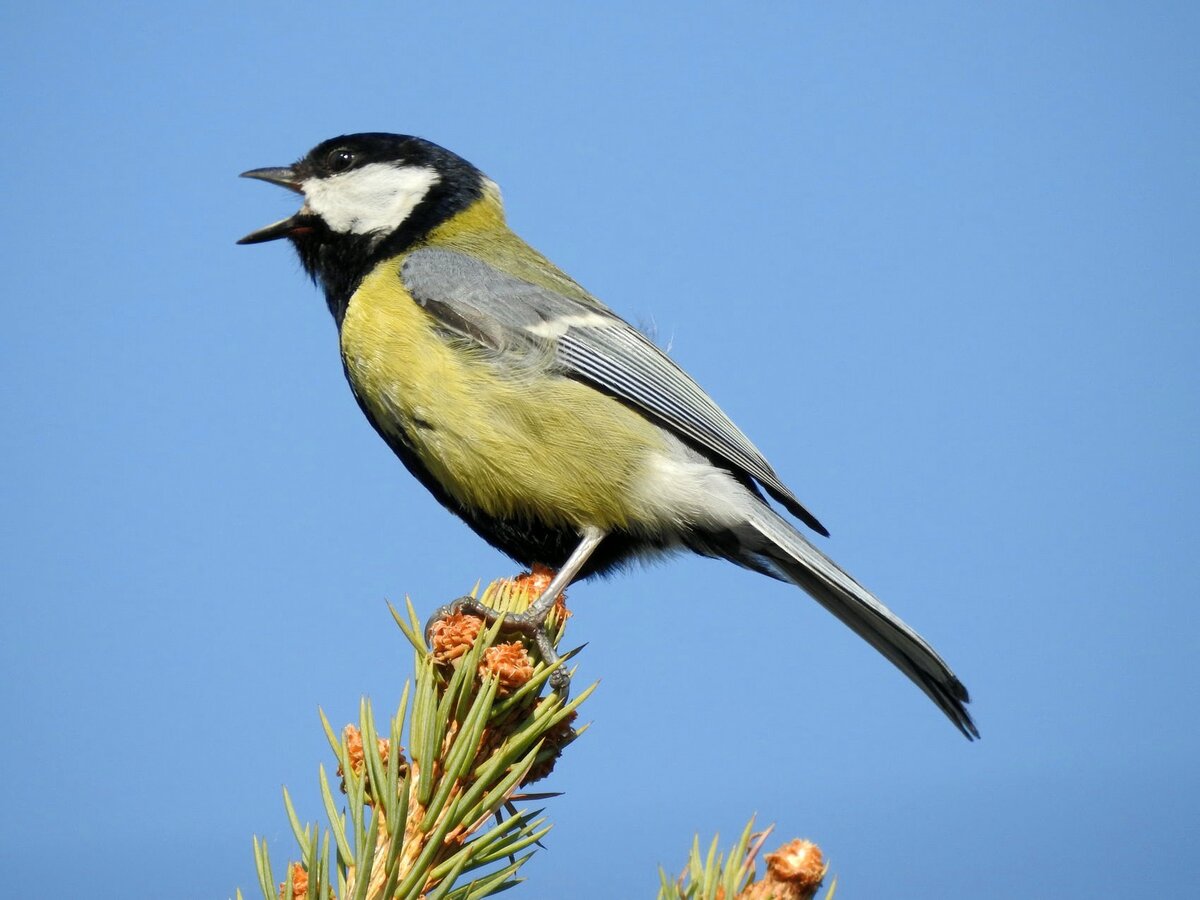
[794, 871]
[431, 823]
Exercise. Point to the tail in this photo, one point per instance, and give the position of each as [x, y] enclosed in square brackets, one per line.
[767, 543]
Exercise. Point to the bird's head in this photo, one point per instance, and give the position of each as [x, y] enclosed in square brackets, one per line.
[366, 197]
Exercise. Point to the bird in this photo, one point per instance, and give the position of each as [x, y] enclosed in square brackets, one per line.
[561, 434]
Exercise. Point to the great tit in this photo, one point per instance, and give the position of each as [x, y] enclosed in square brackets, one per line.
[557, 431]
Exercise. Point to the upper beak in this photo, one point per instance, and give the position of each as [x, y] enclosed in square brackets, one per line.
[284, 176]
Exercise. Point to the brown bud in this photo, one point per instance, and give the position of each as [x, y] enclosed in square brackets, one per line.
[794, 872]
[354, 750]
[299, 884]
[532, 585]
[358, 756]
[453, 635]
[510, 663]
[536, 581]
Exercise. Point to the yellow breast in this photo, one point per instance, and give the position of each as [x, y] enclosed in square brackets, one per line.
[504, 436]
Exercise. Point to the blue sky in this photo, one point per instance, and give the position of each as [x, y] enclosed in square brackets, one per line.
[940, 263]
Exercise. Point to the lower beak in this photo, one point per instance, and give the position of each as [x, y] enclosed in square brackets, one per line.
[283, 228]
[283, 176]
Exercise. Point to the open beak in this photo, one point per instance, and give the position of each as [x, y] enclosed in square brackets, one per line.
[283, 176]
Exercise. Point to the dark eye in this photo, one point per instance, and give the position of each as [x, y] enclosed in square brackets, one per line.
[339, 160]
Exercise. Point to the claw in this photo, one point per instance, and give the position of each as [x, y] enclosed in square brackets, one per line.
[531, 624]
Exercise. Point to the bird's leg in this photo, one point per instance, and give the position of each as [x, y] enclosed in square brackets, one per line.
[532, 622]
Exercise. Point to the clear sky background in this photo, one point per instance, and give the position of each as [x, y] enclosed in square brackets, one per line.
[940, 263]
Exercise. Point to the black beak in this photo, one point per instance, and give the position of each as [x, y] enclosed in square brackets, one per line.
[283, 176]
[276, 230]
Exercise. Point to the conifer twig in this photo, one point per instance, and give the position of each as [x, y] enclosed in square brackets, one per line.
[424, 820]
[794, 872]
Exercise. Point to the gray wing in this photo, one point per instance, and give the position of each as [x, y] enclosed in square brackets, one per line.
[589, 342]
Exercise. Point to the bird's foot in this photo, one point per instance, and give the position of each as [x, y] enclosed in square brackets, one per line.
[531, 624]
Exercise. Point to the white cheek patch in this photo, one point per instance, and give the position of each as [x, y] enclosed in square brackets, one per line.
[376, 197]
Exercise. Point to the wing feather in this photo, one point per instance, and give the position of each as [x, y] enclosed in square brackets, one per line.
[495, 309]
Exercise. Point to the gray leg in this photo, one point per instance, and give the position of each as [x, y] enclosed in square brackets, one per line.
[532, 622]
[540, 608]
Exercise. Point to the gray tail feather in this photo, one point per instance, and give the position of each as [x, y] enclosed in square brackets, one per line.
[769, 544]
